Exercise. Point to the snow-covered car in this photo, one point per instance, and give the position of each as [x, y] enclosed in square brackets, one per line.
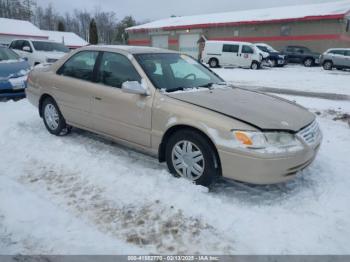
[13, 74]
[39, 51]
[275, 58]
[235, 54]
[338, 58]
[169, 105]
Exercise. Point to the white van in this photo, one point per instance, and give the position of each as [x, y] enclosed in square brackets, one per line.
[236, 54]
[39, 51]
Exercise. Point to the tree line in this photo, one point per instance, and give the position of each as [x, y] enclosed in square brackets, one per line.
[95, 27]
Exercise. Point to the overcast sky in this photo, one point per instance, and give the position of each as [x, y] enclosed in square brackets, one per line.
[157, 9]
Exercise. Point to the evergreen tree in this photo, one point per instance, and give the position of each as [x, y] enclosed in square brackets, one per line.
[93, 34]
[61, 27]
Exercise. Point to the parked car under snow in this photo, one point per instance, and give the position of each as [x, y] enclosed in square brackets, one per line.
[13, 74]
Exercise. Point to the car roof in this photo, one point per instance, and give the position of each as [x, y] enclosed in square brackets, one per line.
[127, 48]
[229, 42]
[31, 39]
[340, 49]
[296, 46]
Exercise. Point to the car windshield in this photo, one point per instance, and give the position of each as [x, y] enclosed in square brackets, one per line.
[7, 54]
[172, 72]
[266, 48]
[50, 47]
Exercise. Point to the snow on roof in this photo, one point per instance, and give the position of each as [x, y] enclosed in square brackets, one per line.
[70, 39]
[20, 28]
[298, 12]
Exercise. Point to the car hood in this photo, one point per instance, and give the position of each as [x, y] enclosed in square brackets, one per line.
[54, 55]
[276, 53]
[262, 111]
[13, 68]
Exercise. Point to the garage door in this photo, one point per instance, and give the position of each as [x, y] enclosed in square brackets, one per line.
[160, 41]
[188, 44]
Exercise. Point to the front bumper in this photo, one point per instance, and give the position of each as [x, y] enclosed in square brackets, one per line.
[10, 94]
[263, 170]
[8, 90]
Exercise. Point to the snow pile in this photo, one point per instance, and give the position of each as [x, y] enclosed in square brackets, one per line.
[69, 39]
[20, 28]
[258, 15]
[66, 192]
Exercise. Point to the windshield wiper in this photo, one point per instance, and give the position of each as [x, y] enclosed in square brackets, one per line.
[210, 85]
[180, 88]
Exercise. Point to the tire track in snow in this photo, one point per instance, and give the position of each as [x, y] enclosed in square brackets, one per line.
[161, 228]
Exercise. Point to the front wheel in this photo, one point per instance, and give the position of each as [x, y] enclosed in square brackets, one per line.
[273, 63]
[53, 119]
[190, 155]
[328, 65]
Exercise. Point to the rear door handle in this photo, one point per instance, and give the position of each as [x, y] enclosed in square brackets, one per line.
[98, 98]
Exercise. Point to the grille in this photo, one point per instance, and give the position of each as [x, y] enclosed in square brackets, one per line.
[310, 134]
[51, 60]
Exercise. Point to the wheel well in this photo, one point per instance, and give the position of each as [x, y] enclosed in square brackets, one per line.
[41, 100]
[173, 130]
[309, 57]
[328, 60]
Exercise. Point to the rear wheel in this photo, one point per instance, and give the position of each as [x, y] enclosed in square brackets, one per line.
[191, 156]
[308, 62]
[255, 65]
[328, 65]
[53, 119]
[213, 63]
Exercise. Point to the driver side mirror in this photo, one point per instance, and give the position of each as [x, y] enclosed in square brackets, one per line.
[26, 49]
[134, 87]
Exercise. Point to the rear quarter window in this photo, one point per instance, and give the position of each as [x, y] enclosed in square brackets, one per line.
[80, 66]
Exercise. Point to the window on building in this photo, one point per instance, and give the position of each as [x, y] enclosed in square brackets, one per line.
[230, 48]
[285, 30]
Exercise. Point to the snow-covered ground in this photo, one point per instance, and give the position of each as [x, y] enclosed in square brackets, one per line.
[294, 77]
[82, 194]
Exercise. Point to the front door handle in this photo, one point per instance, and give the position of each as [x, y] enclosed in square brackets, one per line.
[98, 98]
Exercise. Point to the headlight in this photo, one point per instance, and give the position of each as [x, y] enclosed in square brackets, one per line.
[271, 142]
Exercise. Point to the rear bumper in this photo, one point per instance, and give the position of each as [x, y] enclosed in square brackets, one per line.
[261, 170]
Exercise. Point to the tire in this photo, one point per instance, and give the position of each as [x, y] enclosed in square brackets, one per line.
[255, 65]
[328, 65]
[273, 63]
[205, 166]
[309, 62]
[213, 63]
[53, 119]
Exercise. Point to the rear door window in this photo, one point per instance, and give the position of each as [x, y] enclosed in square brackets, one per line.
[80, 66]
[230, 48]
[115, 69]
